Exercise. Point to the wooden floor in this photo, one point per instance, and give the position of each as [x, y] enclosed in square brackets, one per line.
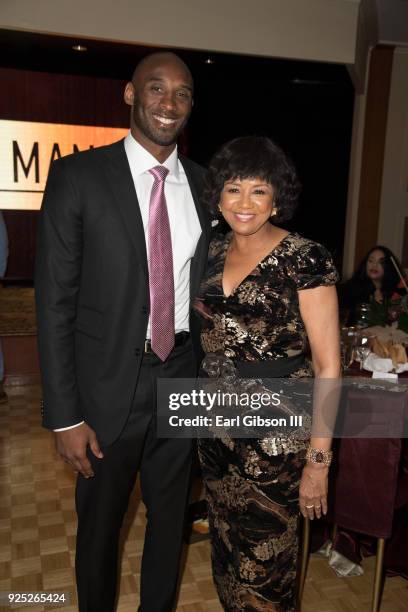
[18, 338]
[17, 311]
[37, 532]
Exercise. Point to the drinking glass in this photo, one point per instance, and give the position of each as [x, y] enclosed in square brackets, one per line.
[362, 348]
[348, 345]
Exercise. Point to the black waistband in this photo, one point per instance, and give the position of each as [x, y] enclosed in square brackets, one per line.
[179, 339]
[278, 368]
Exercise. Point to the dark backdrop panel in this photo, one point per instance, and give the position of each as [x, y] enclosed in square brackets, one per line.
[305, 107]
[309, 118]
[62, 98]
[22, 230]
[52, 98]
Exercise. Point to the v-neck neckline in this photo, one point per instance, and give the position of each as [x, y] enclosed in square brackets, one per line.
[237, 286]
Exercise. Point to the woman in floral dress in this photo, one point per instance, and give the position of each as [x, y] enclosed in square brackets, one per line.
[266, 291]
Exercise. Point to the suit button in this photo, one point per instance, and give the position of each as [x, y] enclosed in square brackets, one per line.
[144, 309]
[137, 352]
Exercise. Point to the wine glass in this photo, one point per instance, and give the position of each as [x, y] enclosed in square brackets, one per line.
[362, 348]
[348, 342]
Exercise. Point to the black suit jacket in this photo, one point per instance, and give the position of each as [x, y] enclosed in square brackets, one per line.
[92, 289]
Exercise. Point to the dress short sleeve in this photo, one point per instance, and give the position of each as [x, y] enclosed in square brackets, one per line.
[312, 266]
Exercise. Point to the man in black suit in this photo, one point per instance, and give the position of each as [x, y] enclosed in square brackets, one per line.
[98, 360]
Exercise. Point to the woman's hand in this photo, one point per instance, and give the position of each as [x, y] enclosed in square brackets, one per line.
[313, 490]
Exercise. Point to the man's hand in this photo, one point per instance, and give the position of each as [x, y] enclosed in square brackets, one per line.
[71, 444]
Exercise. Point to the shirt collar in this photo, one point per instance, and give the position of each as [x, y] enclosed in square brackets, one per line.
[141, 161]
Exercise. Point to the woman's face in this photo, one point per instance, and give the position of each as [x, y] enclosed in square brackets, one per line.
[375, 265]
[247, 204]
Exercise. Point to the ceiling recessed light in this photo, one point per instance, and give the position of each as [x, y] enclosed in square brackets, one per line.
[80, 48]
[208, 61]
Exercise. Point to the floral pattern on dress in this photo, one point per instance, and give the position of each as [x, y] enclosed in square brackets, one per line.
[261, 319]
[252, 486]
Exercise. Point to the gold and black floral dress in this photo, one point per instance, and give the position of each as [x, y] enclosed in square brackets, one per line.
[252, 484]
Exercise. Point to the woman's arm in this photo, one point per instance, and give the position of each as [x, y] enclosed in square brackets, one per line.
[319, 311]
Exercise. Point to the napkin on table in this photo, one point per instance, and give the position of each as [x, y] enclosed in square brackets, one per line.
[373, 363]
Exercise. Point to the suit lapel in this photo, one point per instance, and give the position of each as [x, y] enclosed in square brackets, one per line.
[124, 192]
[195, 180]
[123, 189]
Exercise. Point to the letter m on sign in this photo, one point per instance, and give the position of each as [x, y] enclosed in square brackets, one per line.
[26, 167]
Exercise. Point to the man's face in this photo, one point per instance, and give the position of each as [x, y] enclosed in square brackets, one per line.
[161, 97]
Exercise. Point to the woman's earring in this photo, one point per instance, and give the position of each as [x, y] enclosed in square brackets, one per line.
[274, 211]
[219, 208]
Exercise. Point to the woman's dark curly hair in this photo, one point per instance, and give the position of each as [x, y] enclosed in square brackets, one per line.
[253, 157]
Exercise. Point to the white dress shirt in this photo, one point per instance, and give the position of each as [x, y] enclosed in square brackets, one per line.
[185, 227]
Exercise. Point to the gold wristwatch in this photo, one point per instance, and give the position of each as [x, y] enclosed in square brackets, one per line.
[318, 455]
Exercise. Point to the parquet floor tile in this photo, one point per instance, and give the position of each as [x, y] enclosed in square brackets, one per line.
[38, 526]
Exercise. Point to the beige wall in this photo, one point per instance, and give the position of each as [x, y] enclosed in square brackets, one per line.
[357, 139]
[366, 37]
[394, 193]
[323, 30]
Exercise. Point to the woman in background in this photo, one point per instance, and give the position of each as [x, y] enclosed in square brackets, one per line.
[265, 291]
[376, 279]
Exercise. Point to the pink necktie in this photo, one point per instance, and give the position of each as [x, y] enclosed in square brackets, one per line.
[161, 283]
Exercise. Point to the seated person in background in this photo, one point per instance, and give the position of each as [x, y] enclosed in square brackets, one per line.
[376, 278]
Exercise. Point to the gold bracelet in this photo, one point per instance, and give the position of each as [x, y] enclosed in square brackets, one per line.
[318, 455]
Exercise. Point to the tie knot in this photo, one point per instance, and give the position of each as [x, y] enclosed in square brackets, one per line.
[159, 172]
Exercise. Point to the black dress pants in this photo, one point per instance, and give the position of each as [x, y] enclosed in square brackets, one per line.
[101, 501]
